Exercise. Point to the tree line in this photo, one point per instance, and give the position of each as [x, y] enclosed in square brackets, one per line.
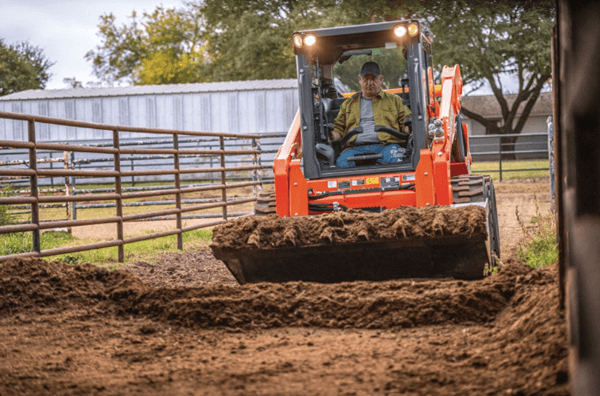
[215, 40]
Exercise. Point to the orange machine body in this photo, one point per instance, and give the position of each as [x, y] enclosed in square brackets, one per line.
[431, 178]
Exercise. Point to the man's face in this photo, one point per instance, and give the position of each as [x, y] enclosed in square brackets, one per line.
[370, 85]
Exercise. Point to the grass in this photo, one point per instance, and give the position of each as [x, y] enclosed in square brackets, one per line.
[540, 247]
[149, 250]
[6, 215]
[489, 167]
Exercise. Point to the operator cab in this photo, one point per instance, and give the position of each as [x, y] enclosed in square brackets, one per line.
[329, 62]
[340, 81]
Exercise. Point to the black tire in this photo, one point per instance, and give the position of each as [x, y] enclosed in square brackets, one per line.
[265, 205]
[478, 188]
[459, 147]
[493, 220]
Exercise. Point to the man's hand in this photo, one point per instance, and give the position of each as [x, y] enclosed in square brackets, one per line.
[335, 136]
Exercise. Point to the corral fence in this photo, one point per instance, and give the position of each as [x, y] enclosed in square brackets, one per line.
[80, 175]
[222, 172]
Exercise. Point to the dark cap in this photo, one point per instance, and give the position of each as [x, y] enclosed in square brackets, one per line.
[370, 68]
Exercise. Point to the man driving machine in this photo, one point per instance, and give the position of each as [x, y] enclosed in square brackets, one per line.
[370, 109]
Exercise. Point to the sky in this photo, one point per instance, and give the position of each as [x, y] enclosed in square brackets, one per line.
[66, 29]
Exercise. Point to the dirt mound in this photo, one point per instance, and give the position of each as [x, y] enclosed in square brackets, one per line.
[350, 226]
[83, 330]
[33, 284]
[191, 269]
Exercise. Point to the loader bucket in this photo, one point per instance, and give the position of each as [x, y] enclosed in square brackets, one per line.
[349, 246]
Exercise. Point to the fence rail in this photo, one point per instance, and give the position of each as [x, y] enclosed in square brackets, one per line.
[499, 151]
[32, 175]
[185, 162]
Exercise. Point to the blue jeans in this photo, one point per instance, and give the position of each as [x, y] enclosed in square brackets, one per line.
[392, 153]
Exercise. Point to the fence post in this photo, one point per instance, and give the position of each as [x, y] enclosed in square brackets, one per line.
[178, 188]
[67, 186]
[551, 163]
[132, 177]
[223, 176]
[256, 161]
[51, 167]
[73, 183]
[33, 182]
[211, 165]
[119, 200]
[500, 156]
[254, 173]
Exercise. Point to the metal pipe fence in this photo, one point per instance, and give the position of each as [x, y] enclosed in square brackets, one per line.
[121, 170]
[497, 150]
[27, 170]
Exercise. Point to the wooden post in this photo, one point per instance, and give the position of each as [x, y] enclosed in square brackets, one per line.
[119, 201]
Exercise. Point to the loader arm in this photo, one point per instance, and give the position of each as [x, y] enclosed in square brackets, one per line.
[290, 150]
[434, 170]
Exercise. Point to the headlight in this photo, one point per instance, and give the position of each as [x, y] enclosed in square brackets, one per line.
[297, 39]
[413, 29]
[310, 39]
[400, 31]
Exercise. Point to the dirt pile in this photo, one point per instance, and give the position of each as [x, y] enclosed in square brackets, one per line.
[83, 330]
[30, 284]
[348, 227]
[195, 268]
[35, 285]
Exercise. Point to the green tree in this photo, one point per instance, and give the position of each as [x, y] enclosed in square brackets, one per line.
[212, 40]
[72, 83]
[163, 47]
[22, 66]
[249, 40]
[496, 39]
[489, 40]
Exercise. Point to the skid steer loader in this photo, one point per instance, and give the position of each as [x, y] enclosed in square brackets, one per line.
[434, 176]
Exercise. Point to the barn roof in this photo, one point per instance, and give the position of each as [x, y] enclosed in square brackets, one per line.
[166, 89]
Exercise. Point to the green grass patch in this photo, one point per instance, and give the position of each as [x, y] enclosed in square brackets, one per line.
[150, 250]
[508, 169]
[540, 247]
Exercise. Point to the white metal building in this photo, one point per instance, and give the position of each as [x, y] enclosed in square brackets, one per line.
[238, 107]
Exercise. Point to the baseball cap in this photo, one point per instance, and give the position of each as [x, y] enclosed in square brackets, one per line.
[370, 68]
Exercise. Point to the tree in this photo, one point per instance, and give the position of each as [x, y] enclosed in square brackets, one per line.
[165, 47]
[72, 83]
[496, 39]
[489, 40]
[22, 67]
[213, 40]
[251, 40]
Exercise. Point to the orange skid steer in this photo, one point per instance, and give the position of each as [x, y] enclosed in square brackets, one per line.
[431, 186]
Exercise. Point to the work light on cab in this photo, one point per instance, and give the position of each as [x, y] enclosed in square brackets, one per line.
[400, 31]
[310, 39]
[297, 39]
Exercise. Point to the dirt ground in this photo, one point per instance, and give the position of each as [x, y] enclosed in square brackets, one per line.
[528, 199]
[183, 326]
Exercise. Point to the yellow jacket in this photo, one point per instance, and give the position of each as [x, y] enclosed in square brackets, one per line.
[388, 110]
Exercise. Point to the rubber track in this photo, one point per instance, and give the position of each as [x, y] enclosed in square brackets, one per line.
[265, 205]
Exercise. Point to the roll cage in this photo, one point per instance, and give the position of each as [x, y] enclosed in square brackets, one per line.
[319, 99]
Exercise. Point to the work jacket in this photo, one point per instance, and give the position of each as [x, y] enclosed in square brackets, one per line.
[388, 110]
